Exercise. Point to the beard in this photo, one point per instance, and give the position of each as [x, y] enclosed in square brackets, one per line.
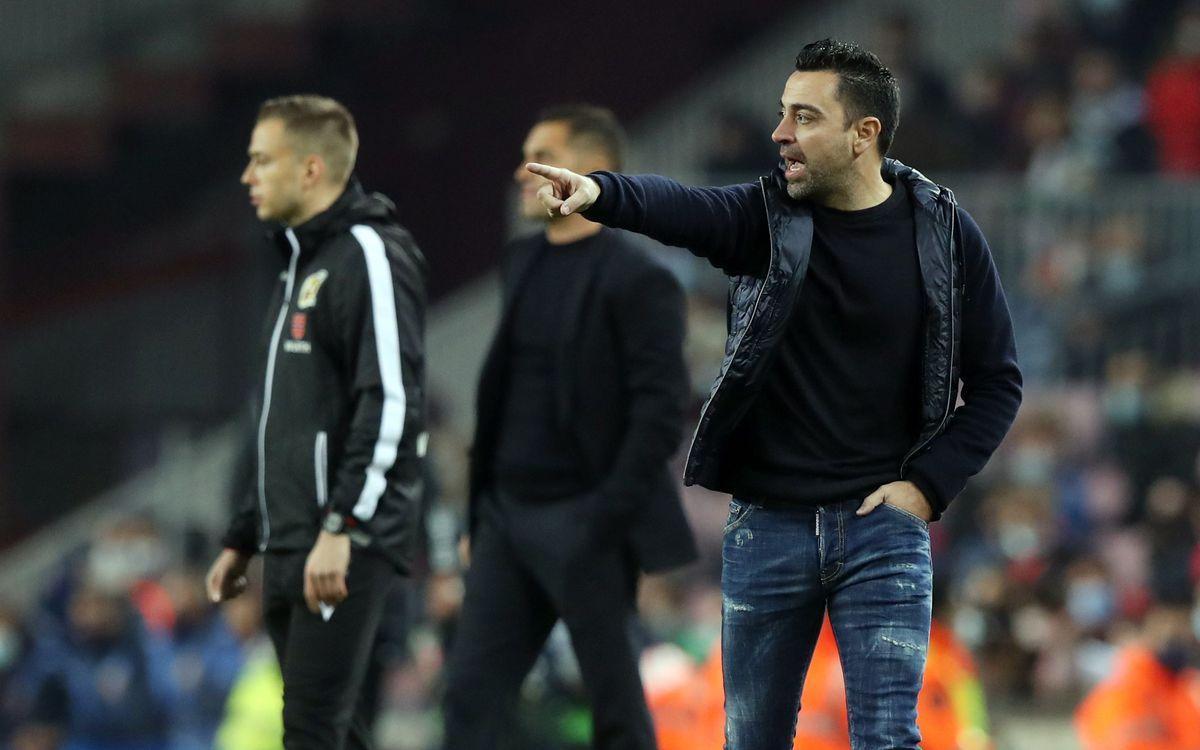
[817, 184]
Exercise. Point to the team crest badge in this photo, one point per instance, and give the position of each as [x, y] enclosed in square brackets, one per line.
[310, 287]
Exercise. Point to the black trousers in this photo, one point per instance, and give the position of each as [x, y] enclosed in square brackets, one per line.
[324, 663]
[531, 564]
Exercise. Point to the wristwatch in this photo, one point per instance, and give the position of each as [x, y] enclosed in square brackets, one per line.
[334, 523]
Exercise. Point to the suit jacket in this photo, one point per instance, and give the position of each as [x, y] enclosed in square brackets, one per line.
[620, 392]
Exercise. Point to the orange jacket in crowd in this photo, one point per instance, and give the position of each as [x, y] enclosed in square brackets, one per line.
[1142, 706]
[950, 711]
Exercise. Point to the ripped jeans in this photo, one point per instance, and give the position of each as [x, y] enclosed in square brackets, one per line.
[782, 566]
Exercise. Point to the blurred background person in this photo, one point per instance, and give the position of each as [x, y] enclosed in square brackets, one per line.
[1151, 699]
[104, 678]
[580, 407]
[1173, 100]
[340, 433]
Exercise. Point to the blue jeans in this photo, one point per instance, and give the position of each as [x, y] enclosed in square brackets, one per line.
[781, 568]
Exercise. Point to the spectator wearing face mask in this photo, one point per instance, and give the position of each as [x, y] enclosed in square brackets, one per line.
[1151, 701]
[130, 557]
[104, 679]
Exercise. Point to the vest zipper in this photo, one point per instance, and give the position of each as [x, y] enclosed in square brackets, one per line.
[754, 311]
[950, 389]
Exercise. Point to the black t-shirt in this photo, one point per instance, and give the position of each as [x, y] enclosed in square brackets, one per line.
[840, 404]
[535, 457]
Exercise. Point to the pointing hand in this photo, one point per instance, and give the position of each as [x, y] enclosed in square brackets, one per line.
[567, 192]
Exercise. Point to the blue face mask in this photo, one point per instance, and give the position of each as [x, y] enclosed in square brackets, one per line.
[1089, 603]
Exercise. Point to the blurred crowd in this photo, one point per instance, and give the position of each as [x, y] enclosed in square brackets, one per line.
[122, 650]
[1084, 528]
[1086, 90]
[1085, 522]
[1080, 536]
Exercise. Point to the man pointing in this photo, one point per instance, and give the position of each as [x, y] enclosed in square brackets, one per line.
[862, 296]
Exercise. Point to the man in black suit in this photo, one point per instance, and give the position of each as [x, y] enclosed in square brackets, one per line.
[580, 407]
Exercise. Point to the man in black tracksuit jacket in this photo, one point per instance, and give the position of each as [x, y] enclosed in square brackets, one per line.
[337, 484]
[580, 407]
[861, 298]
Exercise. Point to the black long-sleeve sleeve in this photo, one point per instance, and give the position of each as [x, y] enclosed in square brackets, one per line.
[991, 380]
[378, 307]
[725, 225]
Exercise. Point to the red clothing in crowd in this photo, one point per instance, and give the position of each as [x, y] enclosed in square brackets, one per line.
[1173, 111]
[1142, 706]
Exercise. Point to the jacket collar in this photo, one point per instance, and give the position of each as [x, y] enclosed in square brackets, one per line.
[926, 193]
[353, 206]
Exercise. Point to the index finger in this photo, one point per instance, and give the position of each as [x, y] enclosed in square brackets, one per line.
[547, 171]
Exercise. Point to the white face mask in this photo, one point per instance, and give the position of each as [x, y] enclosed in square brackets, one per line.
[1089, 602]
[1017, 540]
[115, 566]
[1196, 621]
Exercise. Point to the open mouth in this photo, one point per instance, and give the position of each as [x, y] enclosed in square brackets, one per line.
[793, 167]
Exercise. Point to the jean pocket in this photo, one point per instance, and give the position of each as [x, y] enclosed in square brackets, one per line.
[738, 513]
[908, 514]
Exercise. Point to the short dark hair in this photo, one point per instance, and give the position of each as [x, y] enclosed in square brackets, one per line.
[866, 88]
[322, 125]
[597, 125]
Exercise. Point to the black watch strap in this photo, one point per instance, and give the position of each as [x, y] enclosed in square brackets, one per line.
[334, 523]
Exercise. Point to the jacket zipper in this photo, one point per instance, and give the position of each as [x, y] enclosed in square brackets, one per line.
[320, 467]
[270, 378]
[753, 312]
[950, 369]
